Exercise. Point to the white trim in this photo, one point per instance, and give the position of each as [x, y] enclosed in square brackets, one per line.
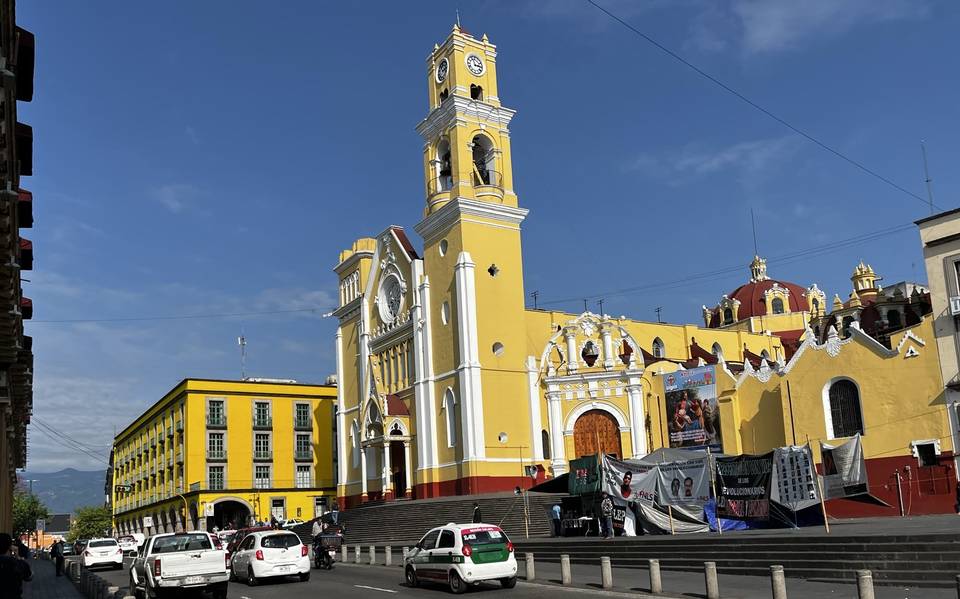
[439, 222]
[585, 407]
[449, 408]
[828, 413]
[471, 392]
[533, 396]
[424, 403]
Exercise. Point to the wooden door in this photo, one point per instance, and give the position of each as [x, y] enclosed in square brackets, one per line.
[593, 426]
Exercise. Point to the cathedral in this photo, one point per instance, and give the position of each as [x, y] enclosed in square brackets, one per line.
[450, 385]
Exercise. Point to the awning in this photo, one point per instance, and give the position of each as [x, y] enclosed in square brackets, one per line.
[26, 254]
[26, 56]
[24, 209]
[25, 149]
[26, 308]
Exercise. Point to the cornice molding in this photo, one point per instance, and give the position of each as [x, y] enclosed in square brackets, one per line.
[441, 220]
[457, 109]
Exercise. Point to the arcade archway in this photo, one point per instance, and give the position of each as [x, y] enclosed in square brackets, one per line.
[596, 431]
[229, 513]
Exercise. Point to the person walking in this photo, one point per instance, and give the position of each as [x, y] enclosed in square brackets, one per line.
[477, 517]
[555, 518]
[13, 570]
[56, 552]
[335, 513]
[606, 512]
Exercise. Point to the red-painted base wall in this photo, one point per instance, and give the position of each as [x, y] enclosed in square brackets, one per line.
[925, 489]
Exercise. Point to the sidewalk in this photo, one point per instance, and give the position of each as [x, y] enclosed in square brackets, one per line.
[691, 584]
[46, 585]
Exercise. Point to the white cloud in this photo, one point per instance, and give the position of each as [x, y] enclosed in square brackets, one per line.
[176, 197]
[776, 25]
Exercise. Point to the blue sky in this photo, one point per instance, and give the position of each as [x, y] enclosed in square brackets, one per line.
[213, 157]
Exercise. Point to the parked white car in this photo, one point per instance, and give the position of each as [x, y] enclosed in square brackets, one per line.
[102, 552]
[128, 544]
[270, 553]
[173, 563]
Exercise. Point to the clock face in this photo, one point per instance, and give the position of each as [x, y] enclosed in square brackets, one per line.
[474, 64]
[391, 299]
[442, 68]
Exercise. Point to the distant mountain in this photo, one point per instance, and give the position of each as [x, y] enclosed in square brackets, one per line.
[64, 491]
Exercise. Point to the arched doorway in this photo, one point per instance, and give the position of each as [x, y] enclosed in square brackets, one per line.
[596, 426]
[229, 514]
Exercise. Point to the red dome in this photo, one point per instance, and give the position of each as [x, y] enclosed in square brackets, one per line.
[752, 303]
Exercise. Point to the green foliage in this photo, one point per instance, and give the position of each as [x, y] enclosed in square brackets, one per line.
[89, 522]
[27, 509]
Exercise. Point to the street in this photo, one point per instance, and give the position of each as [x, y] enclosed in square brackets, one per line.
[349, 580]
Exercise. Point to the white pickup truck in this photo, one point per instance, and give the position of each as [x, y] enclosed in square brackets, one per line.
[168, 564]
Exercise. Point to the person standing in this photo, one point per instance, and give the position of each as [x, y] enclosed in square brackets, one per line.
[606, 512]
[56, 552]
[13, 570]
[477, 517]
[555, 517]
[335, 513]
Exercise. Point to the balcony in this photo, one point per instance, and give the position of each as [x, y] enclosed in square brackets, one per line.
[153, 442]
[170, 461]
[216, 455]
[302, 424]
[216, 421]
[170, 432]
[485, 183]
[262, 455]
[302, 455]
[262, 422]
[179, 426]
[180, 456]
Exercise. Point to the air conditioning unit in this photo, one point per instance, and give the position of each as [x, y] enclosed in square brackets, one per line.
[955, 305]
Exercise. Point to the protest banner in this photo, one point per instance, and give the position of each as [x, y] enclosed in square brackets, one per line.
[683, 483]
[692, 411]
[795, 483]
[844, 470]
[743, 487]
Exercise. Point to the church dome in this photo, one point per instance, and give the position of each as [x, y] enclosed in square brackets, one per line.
[760, 297]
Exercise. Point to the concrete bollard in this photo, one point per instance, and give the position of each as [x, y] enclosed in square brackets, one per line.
[531, 572]
[373, 555]
[656, 583]
[343, 553]
[112, 592]
[710, 575]
[778, 583]
[388, 556]
[565, 577]
[606, 573]
[356, 554]
[864, 584]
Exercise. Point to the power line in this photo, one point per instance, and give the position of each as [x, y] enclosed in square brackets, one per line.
[34, 419]
[757, 106]
[63, 443]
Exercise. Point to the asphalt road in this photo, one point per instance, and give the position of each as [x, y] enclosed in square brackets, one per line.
[366, 582]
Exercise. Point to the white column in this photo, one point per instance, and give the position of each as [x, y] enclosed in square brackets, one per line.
[638, 429]
[341, 420]
[608, 357]
[424, 403]
[386, 478]
[533, 396]
[408, 469]
[558, 454]
[471, 408]
[363, 471]
[571, 338]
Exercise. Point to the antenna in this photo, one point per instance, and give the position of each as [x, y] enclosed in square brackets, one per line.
[753, 221]
[242, 342]
[585, 309]
[458, 16]
[600, 303]
[926, 175]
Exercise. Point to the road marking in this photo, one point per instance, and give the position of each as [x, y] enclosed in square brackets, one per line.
[363, 586]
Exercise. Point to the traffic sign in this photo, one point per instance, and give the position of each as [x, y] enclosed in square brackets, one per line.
[123, 488]
[41, 525]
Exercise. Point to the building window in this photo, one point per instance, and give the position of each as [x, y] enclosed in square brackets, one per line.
[728, 316]
[261, 446]
[545, 444]
[304, 480]
[927, 454]
[278, 509]
[355, 439]
[215, 446]
[893, 319]
[659, 351]
[261, 413]
[777, 305]
[215, 478]
[483, 161]
[847, 321]
[301, 417]
[215, 413]
[845, 411]
[476, 92]
[261, 477]
[816, 305]
[449, 406]
[717, 352]
[302, 448]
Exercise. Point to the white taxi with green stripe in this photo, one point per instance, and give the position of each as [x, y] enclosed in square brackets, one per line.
[460, 555]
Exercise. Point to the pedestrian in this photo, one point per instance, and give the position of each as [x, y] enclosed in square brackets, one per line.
[56, 552]
[555, 517]
[13, 570]
[606, 512]
[335, 513]
[22, 549]
[477, 517]
[317, 528]
[274, 523]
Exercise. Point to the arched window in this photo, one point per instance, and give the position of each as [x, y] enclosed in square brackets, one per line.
[847, 321]
[449, 407]
[845, 414]
[777, 305]
[659, 351]
[545, 443]
[476, 92]
[893, 319]
[444, 169]
[728, 316]
[765, 355]
[483, 161]
[717, 352]
[590, 353]
[355, 441]
[816, 305]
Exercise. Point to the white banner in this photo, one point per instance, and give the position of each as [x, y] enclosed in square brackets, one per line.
[795, 482]
[844, 470]
[683, 483]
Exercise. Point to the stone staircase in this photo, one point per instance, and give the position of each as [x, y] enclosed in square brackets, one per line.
[920, 560]
[405, 522]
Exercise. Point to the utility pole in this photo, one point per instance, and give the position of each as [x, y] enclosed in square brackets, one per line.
[585, 305]
[658, 310]
[242, 342]
[600, 303]
[534, 296]
[926, 175]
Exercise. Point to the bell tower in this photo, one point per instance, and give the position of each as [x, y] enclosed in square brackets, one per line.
[472, 263]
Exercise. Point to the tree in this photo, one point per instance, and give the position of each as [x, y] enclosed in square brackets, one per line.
[91, 521]
[27, 509]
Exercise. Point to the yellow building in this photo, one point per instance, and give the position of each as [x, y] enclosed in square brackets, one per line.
[448, 383]
[226, 453]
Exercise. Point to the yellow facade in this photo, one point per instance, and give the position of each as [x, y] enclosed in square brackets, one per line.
[226, 452]
[448, 383]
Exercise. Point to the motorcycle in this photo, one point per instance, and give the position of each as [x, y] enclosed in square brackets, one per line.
[325, 550]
